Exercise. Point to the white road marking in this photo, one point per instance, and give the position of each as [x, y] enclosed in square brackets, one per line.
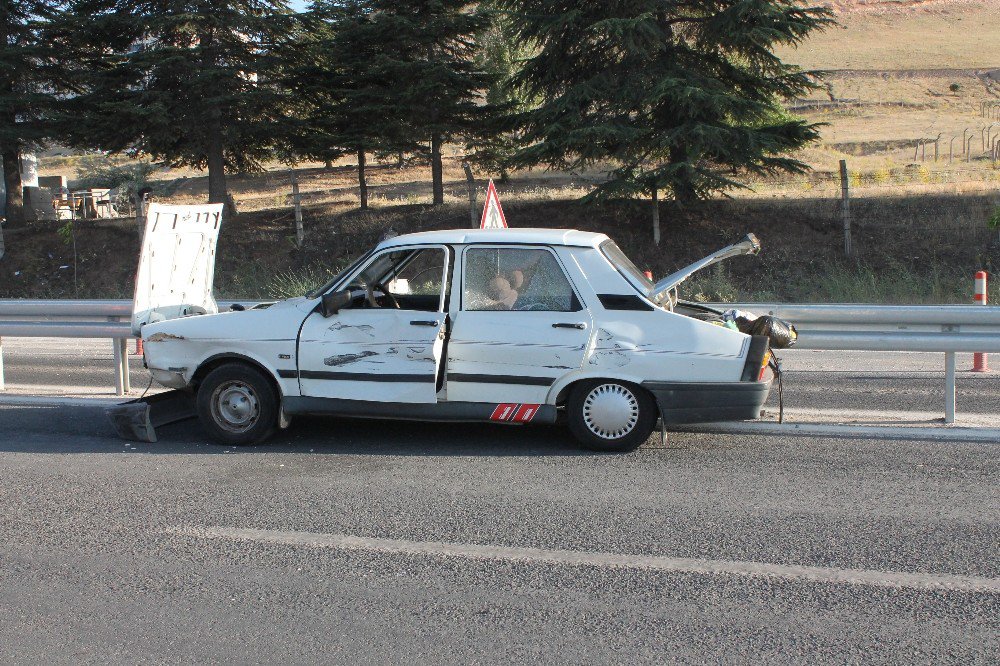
[890, 579]
[922, 433]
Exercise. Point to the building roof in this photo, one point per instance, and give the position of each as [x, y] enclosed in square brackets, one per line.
[490, 236]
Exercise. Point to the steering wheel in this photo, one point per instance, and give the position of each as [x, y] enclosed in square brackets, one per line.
[373, 301]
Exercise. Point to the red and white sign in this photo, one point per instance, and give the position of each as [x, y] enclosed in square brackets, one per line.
[492, 212]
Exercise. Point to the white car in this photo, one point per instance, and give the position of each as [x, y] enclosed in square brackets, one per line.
[512, 326]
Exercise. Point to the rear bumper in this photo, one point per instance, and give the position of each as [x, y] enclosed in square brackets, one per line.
[685, 402]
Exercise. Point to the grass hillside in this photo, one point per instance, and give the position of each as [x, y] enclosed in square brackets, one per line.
[901, 35]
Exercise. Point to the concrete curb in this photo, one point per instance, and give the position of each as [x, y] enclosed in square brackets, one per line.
[61, 401]
[887, 432]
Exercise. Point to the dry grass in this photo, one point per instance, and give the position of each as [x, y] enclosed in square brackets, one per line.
[926, 35]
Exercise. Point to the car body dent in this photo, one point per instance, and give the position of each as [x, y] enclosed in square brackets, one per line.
[265, 336]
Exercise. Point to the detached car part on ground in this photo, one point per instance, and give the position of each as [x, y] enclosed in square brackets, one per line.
[512, 326]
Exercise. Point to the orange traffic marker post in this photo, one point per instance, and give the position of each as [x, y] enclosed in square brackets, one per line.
[980, 361]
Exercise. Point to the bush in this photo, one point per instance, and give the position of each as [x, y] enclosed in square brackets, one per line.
[994, 221]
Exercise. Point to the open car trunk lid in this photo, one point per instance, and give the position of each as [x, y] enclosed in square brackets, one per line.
[176, 264]
[749, 245]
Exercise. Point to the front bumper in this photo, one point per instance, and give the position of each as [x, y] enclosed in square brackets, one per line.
[704, 402]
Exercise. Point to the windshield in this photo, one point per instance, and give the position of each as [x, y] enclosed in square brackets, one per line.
[625, 266]
[319, 291]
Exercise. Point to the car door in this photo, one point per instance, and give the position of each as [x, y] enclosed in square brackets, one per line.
[386, 345]
[520, 326]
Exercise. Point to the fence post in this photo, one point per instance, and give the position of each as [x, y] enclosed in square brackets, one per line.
[3, 386]
[951, 149]
[471, 184]
[140, 213]
[297, 202]
[845, 206]
[656, 217]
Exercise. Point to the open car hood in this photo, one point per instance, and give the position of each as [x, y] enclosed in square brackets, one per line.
[749, 245]
[176, 264]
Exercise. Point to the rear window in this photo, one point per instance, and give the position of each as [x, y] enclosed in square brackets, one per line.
[625, 266]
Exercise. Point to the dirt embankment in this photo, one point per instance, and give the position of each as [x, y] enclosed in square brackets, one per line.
[799, 237]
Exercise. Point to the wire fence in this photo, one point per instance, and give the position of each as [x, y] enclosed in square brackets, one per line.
[951, 205]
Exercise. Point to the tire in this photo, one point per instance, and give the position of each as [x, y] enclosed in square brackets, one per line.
[609, 415]
[237, 404]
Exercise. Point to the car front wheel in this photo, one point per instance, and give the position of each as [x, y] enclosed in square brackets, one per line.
[237, 404]
[608, 415]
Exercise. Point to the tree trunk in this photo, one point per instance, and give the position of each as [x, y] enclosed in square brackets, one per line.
[656, 217]
[362, 182]
[328, 165]
[437, 170]
[14, 211]
[400, 160]
[217, 190]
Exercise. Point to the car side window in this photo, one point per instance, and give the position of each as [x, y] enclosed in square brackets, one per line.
[410, 279]
[504, 278]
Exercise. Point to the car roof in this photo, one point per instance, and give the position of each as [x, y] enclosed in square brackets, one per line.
[572, 237]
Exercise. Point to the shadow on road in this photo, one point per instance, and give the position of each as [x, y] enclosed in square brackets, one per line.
[51, 429]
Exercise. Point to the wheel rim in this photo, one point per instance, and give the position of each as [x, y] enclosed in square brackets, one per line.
[610, 411]
[235, 407]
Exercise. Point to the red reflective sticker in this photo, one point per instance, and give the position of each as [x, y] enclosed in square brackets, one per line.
[504, 411]
[526, 413]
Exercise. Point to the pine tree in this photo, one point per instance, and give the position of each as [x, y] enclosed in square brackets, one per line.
[683, 95]
[344, 83]
[432, 60]
[189, 82]
[28, 82]
[494, 141]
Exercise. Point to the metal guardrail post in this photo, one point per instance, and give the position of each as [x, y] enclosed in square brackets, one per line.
[119, 377]
[949, 387]
[123, 353]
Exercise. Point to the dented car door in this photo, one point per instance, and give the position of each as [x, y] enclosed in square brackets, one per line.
[386, 346]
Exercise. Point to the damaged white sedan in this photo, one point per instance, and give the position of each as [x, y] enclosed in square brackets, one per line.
[511, 326]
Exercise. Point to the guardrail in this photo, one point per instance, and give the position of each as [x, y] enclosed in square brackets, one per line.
[109, 319]
[946, 329]
[895, 328]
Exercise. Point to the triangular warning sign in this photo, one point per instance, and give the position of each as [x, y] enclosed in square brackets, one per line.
[492, 212]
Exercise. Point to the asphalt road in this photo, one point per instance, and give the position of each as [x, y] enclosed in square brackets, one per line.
[381, 542]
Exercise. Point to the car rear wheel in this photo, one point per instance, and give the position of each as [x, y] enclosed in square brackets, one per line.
[237, 404]
[608, 415]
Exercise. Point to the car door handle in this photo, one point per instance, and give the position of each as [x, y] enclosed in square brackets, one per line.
[578, 325]
[425, 322]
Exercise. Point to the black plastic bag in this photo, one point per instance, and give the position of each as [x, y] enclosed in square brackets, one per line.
[781, 334]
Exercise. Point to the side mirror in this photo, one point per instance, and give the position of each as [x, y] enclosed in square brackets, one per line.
[332, 303]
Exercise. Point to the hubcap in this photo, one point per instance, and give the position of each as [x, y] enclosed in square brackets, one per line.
[234, 406]
[610, 411]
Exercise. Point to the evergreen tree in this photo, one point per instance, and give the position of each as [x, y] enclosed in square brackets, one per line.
[345, 85]
[189, 82]
[431, 55]
[28, 82]
[494, 141]
[677, 94]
